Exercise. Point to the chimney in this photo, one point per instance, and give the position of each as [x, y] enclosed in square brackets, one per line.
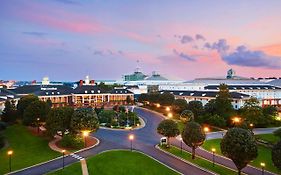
[81, 83]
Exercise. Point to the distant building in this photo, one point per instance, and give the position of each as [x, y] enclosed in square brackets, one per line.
[6, 94]
[136, 76]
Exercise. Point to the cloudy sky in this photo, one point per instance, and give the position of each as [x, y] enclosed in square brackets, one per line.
[67, 39]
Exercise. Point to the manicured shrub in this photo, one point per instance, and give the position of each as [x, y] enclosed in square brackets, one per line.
[72, 141]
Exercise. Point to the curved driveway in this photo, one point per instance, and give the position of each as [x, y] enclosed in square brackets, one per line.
[145, 140]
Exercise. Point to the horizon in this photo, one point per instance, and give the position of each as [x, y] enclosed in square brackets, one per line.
[67, 39]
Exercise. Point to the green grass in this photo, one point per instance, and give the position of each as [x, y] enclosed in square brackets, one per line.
[270, 138]
[200, 161]
[27, 149]
[264, 155]
[118, 162]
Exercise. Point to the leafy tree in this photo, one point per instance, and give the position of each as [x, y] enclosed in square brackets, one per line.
[253, 113]
[142, 98]
[84, 119]
[216, 120]
[270, 111]
[24, 102]
[128, 100]
[210, 107]
[179, 105]
[196, 107]
[276, 154]
[59, 119]
[9, 113]
[187, 115]
[106, 116]
[36, 109]
[223, 101]
[166, 99]
[277, 133]
[193, 136]
[240, 146]
[49, 103]
[168, 128]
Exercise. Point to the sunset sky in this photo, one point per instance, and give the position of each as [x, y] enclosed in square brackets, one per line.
[183, 40]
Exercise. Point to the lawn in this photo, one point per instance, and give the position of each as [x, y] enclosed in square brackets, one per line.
[270, 138]
[118, 162]
[200, 161]
[27, 149]
[264, 155]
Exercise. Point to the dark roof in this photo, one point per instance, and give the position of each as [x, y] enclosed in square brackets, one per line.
[213, 94]
[243, 87]
[43, 90]
[88, 89]
[120, 91]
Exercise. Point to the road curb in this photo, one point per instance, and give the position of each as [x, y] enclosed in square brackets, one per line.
[42, 163]
[187, 162]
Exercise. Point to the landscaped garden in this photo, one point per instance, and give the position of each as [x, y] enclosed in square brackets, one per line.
[264, 153]
[28, 149]
[118, 162]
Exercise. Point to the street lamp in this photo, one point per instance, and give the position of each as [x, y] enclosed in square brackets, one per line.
[38, 129]
[262, 168]
[63, 151]
[168, 108]
[131, 138]
[158, 105]
[181, 144]
[236, 120]
[206, 129]
[251, 126]
[170, 115]
[10, 153]
[85, 134]
[213, 151]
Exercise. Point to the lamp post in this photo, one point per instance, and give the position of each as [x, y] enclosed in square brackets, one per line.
[236, 120]
[63, 151]
[170, 115]
[38, 129]
[85, 134]
[158, 105]
[131, 138]
[213, 151]
[168, 108]
[262, 168]
[206, 129]
[181, 144]
[10, 153]
[251, 126]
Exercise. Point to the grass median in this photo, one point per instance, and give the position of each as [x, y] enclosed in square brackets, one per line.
[199, 161]
[264, 155]
[27, 149]
[118, 162]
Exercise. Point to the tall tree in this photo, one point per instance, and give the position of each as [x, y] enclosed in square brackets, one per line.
[193, 136]
[84, 119]
[24, 102]
[240, 146]
[168, 128]
[210, 107]
[9, 113]
[36, 109]
[179, 105]
[196, 107]
[186, 115]
[166, 99]
[223, 101]
[252, 112]
[59, 119]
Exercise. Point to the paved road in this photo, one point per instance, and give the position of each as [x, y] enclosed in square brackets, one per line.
[145, 140]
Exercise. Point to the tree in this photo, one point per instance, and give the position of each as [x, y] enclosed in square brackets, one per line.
[223, 101]
[166, 99]
[193, 136]
[253, 113]
[240, 146]
[216, 120]
[106, 116]
[24, 102]
[168, 128]
[179, 105]
[277, 133]
[36, 109]
[9, 113]
[210, 107]
[128, 99]
[186, 115]
[59, 119]
[276, 154]
[196, 107]
[270, 111]
[142, 98]
[84, 119]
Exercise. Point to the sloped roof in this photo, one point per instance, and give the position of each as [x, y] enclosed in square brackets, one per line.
[243, 87]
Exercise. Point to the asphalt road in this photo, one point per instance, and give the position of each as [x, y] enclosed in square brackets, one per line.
[145, 140]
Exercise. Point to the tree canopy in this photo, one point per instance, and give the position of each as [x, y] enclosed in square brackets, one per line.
[24, 102]
[193, 136]
[9, 113]
[179, 105]
[240, 146]
[168, 128]
[84, 119]
[196, 107]
[276, 154]
[36, 109]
